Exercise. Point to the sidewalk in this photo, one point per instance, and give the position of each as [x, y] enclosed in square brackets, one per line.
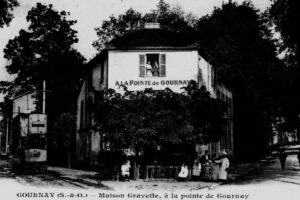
[93, 179]
[237, 170]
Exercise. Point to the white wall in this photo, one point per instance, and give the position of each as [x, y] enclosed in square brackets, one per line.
[124, 66]
[24, 104]
[96, 74]
[206, 71]
[81, 97]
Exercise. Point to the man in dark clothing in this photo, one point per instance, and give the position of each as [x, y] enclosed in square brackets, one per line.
[298, 156]
[204, 158]
[282, 158]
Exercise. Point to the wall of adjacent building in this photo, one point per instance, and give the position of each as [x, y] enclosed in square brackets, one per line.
[24, 104]
[100, 75]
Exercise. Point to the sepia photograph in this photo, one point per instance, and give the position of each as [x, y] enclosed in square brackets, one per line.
[149, 99]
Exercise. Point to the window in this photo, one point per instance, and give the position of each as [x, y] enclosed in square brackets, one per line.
[212, 77]
[102, 73]
[81, 114]
[152, 65]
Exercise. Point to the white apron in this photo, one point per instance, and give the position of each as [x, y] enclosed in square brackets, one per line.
[223, 168]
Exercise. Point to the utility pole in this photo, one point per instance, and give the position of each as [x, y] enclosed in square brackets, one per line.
[7, 135]
[44, 96]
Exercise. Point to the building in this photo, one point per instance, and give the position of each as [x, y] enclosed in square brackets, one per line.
[147, 58]
[24, 103]
[2, 133]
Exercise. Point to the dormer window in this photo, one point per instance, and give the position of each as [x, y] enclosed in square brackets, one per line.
[152, 65]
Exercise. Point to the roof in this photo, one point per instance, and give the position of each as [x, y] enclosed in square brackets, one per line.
[23, 94]
[153, 39]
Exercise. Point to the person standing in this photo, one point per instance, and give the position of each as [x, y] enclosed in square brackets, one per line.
[224, 165]
[205, 168]
[204, 158]
[196, 172]
[156, 69]
[282, 158]
[298, 156]
[149, 69]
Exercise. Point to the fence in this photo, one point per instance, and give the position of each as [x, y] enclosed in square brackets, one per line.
[155, 172]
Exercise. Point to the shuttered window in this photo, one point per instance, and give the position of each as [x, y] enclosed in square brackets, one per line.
[142, 65]
[162, 65]
[157, 62]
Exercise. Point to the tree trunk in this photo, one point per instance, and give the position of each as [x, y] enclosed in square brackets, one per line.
[69, 159]
[136, 169]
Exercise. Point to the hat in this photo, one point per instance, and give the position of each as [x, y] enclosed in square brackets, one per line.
[223, 153]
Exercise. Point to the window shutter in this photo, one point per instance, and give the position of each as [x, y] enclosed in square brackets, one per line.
[162, 65]
[142, 65]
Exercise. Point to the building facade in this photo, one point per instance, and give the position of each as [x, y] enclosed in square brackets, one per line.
[147, 58]
[24, 103]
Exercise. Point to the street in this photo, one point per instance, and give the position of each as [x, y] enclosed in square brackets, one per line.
[268, 174]
[267, 182]
[272, 173]
[263, 182]
[40, 180]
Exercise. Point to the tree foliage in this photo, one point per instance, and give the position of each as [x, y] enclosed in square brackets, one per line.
[6, 8]
[239, 40]
[140, 119]
[62, 137]
[172, 18]
[45, 52]
[284, 14]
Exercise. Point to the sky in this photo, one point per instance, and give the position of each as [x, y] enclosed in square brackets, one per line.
[90, 14]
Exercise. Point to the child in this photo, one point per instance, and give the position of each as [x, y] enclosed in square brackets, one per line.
[125, 171]
[183, 174]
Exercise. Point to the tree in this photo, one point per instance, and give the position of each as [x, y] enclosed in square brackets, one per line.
[238, 40]
[285, 16]
[62, 137]
[149, 122]
[172, 18]
[6, 8]
[45, 52]
[116, 27]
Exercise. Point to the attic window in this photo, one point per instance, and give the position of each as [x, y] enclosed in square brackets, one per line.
[152, 65]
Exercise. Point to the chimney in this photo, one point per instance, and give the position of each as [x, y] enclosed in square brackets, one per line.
[152, 25]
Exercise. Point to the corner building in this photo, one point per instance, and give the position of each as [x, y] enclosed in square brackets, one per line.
[175, 59]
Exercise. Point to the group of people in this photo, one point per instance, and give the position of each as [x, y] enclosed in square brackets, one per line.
[199, 165]
[197, 171]
[152, 70]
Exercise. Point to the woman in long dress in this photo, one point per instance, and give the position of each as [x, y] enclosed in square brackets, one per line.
[149, 69]
[196, 172]
[156, 69]
[224, 165]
